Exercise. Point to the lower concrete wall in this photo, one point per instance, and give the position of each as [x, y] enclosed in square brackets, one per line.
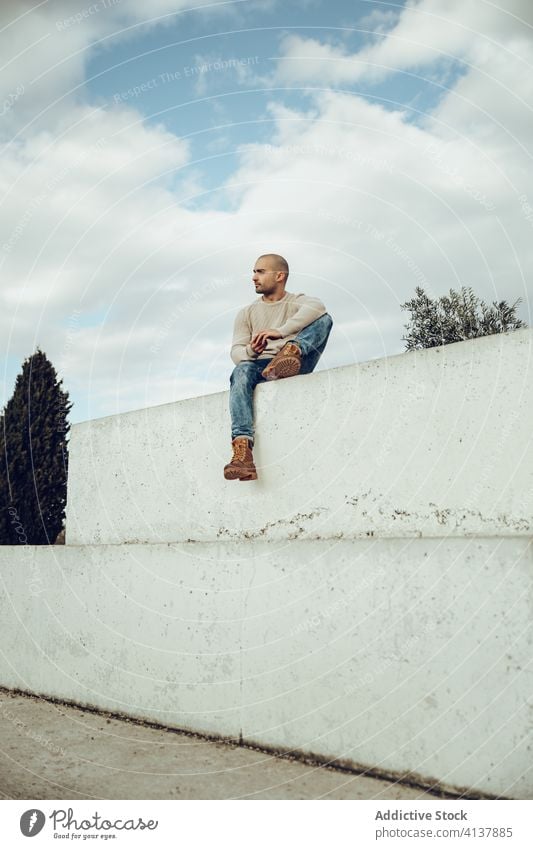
[406, 655]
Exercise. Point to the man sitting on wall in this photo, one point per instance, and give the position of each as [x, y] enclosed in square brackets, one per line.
[298, 327]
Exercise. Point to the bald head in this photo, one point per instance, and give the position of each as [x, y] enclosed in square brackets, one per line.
[275, 262]
[270, 275]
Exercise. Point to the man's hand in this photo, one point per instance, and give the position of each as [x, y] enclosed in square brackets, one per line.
[259, 340]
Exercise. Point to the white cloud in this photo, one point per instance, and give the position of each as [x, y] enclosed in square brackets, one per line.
[379, 21]
[133, 296]
[430, 29]
[308, 59]
[45, 48]
[426, 32]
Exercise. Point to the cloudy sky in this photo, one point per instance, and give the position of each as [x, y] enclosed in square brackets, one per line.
[151, 151]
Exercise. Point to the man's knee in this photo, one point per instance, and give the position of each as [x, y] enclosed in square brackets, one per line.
[327, 321]
[323, 324]
[326, 324]
[322, 328]
[243, 373]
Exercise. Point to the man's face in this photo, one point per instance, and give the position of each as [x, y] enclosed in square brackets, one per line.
[265, 276]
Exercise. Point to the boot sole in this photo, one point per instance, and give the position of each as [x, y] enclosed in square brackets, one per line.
[234, 474]
[285, 368]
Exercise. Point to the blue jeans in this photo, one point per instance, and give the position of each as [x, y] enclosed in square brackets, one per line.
[247, 374]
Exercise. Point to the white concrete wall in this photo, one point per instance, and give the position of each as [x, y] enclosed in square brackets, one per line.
[367, 599]
[430, 443]
[408, 655]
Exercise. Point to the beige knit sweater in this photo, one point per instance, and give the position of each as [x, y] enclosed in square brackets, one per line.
[289, 315]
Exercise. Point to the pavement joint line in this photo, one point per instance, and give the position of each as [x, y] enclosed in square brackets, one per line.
[436, 789]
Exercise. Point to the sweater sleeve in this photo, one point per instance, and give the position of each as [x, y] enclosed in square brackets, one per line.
[309, 310]
[242, 336]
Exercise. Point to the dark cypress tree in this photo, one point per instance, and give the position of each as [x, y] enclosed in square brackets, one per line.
[455, 317]
[34, 463]
[5, 537]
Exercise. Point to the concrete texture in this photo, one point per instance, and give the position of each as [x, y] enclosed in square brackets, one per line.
[409, 656]
[81, 755]
[367, 600]
[430, 443]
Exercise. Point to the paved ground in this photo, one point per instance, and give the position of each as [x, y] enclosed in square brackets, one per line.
[50, 751]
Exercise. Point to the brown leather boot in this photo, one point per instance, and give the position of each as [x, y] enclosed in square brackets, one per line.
[286, 363]
[241, 466]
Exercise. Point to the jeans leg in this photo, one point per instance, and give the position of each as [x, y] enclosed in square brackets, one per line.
[244, 378]
[312, 340]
